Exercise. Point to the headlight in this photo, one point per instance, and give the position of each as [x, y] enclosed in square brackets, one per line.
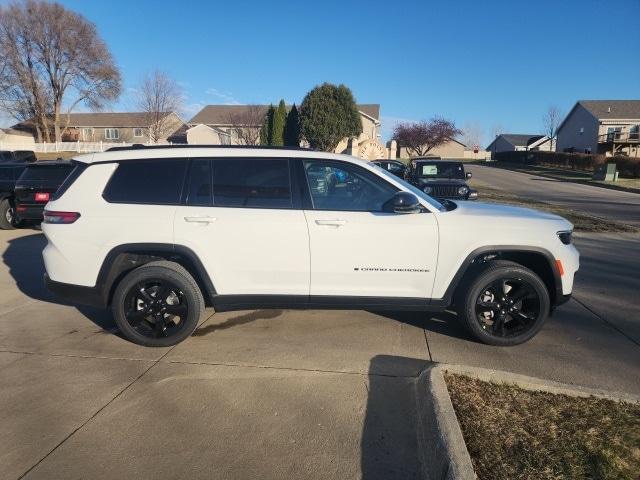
[462, 191]
[565, 237]
[427, 190]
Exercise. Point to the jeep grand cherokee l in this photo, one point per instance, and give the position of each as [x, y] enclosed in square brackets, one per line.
[158, 233]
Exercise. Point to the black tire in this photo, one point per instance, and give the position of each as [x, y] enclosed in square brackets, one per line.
[7, 215]
[158, 304]
[506, 319]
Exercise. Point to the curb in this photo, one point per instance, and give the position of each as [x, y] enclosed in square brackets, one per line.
[442, 449]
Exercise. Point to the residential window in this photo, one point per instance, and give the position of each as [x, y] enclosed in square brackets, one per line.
[251, 183]
[156, 182]
[225, 138]
[87, 134]
[137, 132]
[111, 133]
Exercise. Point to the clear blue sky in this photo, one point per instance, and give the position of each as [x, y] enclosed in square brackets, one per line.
[483, 62]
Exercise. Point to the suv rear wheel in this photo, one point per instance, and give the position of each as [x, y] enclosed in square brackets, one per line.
[7, 215]
[504, 304]
[158, 304]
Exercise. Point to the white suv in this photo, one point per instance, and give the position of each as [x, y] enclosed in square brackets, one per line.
[157, 233]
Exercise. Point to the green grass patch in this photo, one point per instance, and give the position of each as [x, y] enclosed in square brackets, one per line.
[514, 433]
[581, 222]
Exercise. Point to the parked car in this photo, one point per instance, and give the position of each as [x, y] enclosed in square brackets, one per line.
[157, 233]
[36, 185]
[9, 173]
[393, 166]
[441, 179]
[19, 156]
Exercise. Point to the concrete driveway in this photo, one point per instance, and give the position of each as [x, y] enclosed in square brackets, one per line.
[268, 393]
[600, 202]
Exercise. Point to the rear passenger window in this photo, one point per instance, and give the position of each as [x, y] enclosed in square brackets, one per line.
[257, 183]
[199, 183]
[144, 181]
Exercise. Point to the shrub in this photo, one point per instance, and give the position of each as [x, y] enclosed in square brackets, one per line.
[627, 166]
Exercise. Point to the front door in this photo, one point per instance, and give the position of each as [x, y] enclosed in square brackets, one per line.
[239, 219]
[356, 248]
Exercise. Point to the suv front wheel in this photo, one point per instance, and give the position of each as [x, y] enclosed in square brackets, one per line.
[504, 304]
[158, 304]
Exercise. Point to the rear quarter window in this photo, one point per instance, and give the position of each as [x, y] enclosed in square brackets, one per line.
[156, 182]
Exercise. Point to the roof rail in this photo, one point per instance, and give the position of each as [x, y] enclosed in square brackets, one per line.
[139, 146]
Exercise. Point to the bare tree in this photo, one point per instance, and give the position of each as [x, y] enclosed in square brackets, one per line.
[55, 60]
[158, 96]
[550, 122]
[496, 129]
[246, 123]
[472, 134]
[422, 137]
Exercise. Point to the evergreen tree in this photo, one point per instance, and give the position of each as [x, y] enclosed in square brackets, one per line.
[277, 130]
[292, 128]
[328, 114]
[266, 132]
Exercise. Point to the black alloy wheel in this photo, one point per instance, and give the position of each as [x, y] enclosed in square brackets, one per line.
[156, 308]
[508, 307]
[502, 303]
[157, 304]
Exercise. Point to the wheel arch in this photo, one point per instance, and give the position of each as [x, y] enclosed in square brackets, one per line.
[124, 258]
[537, 259]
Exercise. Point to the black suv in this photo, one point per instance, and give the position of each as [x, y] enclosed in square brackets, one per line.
[392, 166]
[441, 179]
[19, 156]
[36, 185]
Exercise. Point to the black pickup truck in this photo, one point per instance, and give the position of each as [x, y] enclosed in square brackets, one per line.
[25, 188]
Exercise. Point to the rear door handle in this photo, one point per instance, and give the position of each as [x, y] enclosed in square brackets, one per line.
[200, 219]
[331, 223]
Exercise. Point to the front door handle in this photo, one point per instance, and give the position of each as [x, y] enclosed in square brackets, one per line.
[200, 219]
[331, 223]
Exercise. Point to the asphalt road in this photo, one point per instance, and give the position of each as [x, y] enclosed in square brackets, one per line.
[268, 393]
[600, 202]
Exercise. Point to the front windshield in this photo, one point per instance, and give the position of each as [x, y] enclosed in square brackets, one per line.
[416, 191]
[440, 170]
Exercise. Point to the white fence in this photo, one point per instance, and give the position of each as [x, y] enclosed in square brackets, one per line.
[80, 147]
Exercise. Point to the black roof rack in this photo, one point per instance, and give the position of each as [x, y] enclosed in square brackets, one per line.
[139, 146]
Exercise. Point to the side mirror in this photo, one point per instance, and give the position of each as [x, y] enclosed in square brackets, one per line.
[402, 202]
[468, 174]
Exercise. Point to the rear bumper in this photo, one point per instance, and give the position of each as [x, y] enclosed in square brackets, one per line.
[76, 293]
[29, 212]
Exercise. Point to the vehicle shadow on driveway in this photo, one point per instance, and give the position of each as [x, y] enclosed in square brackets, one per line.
[445, 323]
[23, 257]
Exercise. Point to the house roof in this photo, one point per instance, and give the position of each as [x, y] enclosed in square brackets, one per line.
[520, 139]
[13, 131]
[610, 109]
[219, 114]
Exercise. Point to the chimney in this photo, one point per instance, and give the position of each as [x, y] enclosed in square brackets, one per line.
[608, 109]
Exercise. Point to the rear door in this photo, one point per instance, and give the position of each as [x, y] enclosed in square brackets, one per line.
[242, 219]
[356, 248]
[37, 183]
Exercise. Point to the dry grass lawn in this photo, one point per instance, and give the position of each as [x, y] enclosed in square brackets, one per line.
[513, 433]
[582, 222]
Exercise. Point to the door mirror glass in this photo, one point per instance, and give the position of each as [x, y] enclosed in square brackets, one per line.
[402, 202]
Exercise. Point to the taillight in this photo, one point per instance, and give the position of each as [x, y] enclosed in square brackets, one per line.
[60, 217]
[42, 197]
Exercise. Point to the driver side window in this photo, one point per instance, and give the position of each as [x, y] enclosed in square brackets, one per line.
[346, 187]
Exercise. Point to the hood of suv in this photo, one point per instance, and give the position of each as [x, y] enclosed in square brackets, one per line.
[496, 213]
